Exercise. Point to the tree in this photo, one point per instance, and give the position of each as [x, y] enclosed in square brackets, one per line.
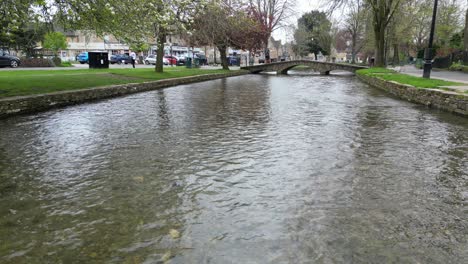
[465, 37]
[382, 12]
[123, 18]
[421, 13]
[22, 26]
[354, 24]
[301, 38]
[448, 21]
[55, 41]
[225, 24]
[313, 33]
[28, 36]
[12, 14]
[139, 46]
[270, 14]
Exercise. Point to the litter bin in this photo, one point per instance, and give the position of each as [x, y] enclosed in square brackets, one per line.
[188, 62]
[98, 60]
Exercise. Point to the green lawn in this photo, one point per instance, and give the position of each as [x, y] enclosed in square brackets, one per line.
[419, 82]
[19, 83]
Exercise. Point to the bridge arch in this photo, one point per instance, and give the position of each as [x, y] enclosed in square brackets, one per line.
[283, 67]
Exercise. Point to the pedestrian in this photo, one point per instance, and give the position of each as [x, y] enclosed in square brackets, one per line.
[133, 56]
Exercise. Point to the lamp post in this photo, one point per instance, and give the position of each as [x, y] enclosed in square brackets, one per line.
[428, 51]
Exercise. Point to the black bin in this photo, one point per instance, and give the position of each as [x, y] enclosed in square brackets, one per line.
[98, 60]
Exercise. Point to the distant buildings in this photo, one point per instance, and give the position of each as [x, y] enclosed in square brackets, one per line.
[83, 40]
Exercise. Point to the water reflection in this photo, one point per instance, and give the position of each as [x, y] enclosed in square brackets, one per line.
[261, 169]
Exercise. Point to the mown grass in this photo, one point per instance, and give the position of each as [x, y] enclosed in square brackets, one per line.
[20, 83]
[419, 82]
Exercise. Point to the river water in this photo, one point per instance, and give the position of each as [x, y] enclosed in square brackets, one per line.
[250, 169]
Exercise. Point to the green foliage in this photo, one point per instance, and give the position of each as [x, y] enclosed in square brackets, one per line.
[419, 63]
[456, 41]
[21, 25]
[458, 67]
[418, 82]
[313, 33]
[57, 61]
[139, 46]
[65, 64]
[26, 38]
[13, 14]
[448, 22]
[55, 41]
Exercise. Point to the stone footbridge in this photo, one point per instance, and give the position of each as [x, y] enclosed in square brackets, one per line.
[323, 67]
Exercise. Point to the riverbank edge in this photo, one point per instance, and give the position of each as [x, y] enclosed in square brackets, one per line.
[42, 102]
[445, 100]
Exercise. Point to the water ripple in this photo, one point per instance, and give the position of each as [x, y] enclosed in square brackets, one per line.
[252, 169]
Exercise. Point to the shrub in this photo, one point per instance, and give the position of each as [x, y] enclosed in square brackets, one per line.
[57, 61]
[458, 67]
[419, 63]
[66, 64]
[455, 67]
[36, 62]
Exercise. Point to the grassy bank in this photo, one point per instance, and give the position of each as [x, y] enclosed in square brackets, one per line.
[418, 82]
[20, 83]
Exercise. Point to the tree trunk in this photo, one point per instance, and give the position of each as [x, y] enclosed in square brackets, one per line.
[265, 44]
[224, 61]
[353, 50]
[396, 54]
[160, 52]
[214, 52]
[465, 39]
[379, 30]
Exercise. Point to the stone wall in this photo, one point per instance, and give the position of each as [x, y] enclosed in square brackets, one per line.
[446, 100]
[36, 103]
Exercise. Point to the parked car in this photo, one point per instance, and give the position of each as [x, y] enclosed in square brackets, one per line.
[181, 59]
[172, 59]
[120, 58]
[83, 57]
[151, 59]
[8, 60]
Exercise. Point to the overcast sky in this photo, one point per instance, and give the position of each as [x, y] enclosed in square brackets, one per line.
[302, 6]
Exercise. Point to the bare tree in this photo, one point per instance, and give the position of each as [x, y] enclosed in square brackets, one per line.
[382, 12]
[271, 14]
[225, 24]
[354, 25]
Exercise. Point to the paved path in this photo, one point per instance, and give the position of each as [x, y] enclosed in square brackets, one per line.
[452, 76]
[437, 74]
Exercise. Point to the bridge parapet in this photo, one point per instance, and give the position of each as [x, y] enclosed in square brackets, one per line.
[322, 67]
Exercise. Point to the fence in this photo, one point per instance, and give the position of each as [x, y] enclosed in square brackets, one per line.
[456, 57]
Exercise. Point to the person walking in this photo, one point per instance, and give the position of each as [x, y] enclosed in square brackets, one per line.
[133, 56]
